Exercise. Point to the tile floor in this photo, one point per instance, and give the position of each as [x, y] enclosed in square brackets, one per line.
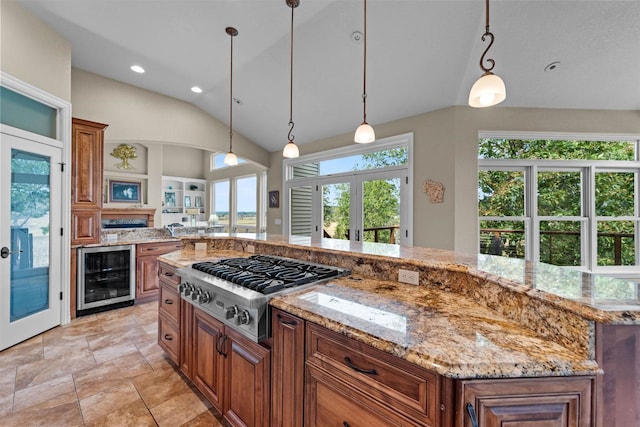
[104, 369]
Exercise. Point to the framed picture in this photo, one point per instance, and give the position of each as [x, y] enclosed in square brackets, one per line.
[125, 191]
[187, 201]
[169, 199]
[274, 199]
[198, 201]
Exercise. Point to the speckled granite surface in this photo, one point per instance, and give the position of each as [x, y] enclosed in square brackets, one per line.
[437, 330]
[470, 316]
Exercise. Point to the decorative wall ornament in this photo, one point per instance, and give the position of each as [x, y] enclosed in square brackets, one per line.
[125, 153]
[435, 190]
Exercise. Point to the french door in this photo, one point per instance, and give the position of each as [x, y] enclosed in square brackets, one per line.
[366, 207]
[30, 241]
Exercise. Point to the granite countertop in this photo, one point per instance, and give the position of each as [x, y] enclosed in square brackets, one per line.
[440, 331]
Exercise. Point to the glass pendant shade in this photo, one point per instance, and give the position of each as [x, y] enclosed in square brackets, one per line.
[290, 150]
[364, 134]
[488, 90]
[230, 159]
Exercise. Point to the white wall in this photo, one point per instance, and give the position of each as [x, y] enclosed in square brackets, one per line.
[135, 114]
[446, 150]
[32, 52]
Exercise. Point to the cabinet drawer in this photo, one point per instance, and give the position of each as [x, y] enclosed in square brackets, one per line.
[169, 337]
[169, 302]
[389, 379]
[333, 403]
[160, 248]
[168, 274]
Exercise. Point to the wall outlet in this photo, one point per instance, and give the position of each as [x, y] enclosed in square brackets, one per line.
[251, 249]
[407, 276]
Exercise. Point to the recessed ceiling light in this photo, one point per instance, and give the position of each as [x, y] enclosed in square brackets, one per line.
[552, 67]
[196, 89]
[137, 69]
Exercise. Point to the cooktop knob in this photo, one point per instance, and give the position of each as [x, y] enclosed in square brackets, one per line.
[196, 293]
[243, 318]
[231, 311]
[204, 297]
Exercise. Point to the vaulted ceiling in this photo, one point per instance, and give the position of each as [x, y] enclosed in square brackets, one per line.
[422, 55]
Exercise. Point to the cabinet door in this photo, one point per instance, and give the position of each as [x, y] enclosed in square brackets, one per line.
[248, 381]
[86, 164]
[535, 402]
[169, 337]
[209, 365]
[287, 367]
[147, 282]
[85, 226]
[186, 338]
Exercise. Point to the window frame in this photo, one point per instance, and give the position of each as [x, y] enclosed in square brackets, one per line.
[404, 171]
[587, 217]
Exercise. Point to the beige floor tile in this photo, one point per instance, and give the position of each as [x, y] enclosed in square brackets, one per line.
[63, 347]
[179, 409]
[159, 386]
[6, 405]
[110, 374]
[20, 354]
[65, 414]
[108, 401]
[159, 360]
[134, 414]
[206, 419]
[114, 351]
[7, 381]
[44, 392]
[48, 369]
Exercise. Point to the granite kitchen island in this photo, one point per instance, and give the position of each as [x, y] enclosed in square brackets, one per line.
[472, 322]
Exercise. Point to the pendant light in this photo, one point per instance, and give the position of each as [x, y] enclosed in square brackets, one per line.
[489, 89]
[291, 149]
[364, 134]
[230, 159]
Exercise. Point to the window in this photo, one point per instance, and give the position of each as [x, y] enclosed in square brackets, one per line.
[357, 193]
[566, 201]
[239, 203]
[221, 198]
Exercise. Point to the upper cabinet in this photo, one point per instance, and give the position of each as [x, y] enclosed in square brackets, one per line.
[86, 181]
[182, 198]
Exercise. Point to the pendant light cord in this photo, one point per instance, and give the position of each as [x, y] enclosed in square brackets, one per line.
[231, 99]
[290, 136]
[364, 74]
[487, 33]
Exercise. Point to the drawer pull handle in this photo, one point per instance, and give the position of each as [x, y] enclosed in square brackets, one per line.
[345, 424]
[151, 249]
[350, 364]
[472, 415]
[168, 301]
[168, 274]
[168, 337]
[287, 322]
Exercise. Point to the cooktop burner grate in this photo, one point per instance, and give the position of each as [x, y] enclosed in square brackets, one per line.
[267, 274]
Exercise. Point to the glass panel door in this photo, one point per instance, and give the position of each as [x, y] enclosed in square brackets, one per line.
[336, 211]
[381, 210]
[30, 263]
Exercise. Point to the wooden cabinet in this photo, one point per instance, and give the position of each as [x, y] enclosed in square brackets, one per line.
[86, 181]
[287, 369]
[375, 379]
[209, 357]
[169, 311]
[147, 272]
[248, 382]
[534, 402]
[330, 402]
[231, 371]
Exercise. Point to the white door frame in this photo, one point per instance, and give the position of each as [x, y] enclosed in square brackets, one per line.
[64, 139]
